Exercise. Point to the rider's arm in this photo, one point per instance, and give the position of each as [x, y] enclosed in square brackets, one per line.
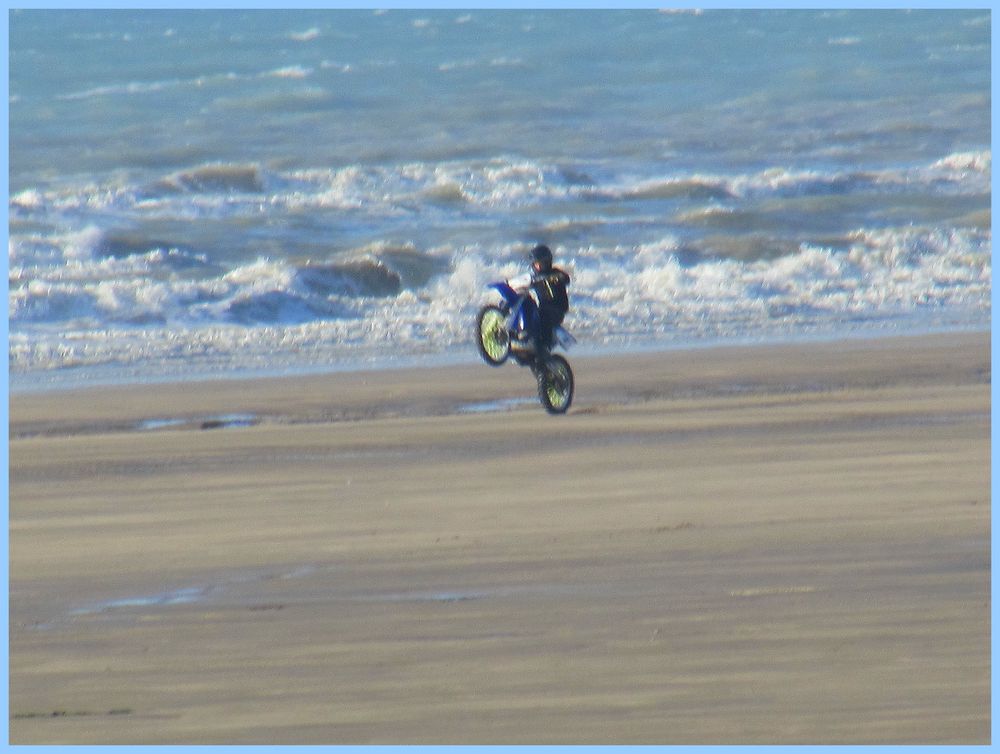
[521, 282]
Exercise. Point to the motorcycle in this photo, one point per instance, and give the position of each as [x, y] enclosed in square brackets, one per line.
[505, 330]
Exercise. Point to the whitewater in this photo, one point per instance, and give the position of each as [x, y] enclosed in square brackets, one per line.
[197, 194]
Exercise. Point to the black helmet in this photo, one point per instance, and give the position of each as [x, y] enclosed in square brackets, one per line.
[541, 257]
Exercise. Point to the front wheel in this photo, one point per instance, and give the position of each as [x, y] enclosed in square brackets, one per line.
[491, 335]
[555, 385]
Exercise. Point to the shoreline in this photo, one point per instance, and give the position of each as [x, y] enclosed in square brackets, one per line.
[767, 545]
[57, 381]
[465, 386]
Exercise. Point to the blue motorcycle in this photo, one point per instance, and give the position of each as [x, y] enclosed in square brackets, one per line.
[507, 329]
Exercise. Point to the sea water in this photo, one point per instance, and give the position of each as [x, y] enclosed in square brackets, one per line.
[210, 193]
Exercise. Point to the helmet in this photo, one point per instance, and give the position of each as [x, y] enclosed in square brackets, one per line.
[541, 258]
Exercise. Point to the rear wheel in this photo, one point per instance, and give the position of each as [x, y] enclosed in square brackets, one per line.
[491, 335]
[555, 385]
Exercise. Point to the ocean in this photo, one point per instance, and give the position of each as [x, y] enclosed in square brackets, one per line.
[221, 193]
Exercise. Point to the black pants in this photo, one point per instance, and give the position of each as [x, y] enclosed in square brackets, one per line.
[549, 317]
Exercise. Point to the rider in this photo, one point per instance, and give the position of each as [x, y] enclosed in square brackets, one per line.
[549, 284]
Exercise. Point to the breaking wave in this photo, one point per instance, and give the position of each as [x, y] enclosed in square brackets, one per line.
[211, 179]
[495, 184]
[667, 258]
[108, 280]
[365, 306]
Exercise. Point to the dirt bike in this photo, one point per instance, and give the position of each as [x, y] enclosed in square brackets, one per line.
[506, 330]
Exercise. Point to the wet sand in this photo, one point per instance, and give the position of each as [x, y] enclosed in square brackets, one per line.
[785, 545]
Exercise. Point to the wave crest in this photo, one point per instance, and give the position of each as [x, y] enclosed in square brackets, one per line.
[216, 178]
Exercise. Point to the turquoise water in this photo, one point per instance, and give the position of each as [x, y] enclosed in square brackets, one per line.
[218, 191]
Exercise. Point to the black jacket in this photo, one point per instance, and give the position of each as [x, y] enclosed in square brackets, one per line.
[550, 287]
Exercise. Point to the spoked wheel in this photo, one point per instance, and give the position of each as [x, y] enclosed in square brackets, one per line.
[555, 385]
[491, 335]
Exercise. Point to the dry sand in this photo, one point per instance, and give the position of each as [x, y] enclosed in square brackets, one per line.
[736, 545]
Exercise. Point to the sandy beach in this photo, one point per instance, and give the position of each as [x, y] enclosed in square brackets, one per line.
[775, 544]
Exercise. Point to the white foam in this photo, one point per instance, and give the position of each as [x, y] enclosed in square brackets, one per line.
[960, 164]
[81, 246]
[456, 64]
[134, 88]
[968, 171]
[305, 36]
[71, 302]
[27, 199]
[338, 66]
[289, 72]
[505, 183]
